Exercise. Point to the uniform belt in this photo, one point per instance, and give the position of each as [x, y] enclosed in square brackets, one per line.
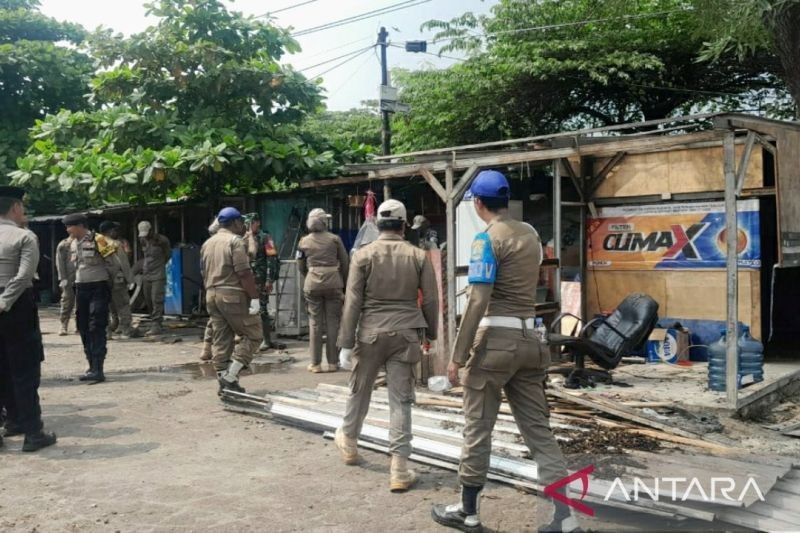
[323, 269]
[506, 322]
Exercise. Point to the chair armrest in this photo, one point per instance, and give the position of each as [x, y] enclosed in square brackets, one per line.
[557, 320]
[591, 324]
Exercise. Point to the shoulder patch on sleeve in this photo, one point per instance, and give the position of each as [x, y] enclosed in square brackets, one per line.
[482, 263]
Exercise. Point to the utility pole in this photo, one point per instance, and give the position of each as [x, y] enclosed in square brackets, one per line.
[386, 127]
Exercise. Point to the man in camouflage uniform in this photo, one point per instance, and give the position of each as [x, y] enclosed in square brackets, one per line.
[65, 265]
[265, 265]
[121, 281]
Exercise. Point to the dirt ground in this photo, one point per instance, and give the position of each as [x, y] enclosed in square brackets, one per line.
[153, 450]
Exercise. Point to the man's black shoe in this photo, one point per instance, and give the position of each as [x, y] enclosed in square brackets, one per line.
[452, 516]
[37, 441]
[231, 386]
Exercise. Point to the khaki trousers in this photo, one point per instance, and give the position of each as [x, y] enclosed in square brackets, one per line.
[67, 303]
[324, 307]
[398, 351]
[507, 360]
[229, 316]
[121, 309]
[154, 291]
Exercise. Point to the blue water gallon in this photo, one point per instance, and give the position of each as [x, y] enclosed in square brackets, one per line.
[751, 358]
[716, 363]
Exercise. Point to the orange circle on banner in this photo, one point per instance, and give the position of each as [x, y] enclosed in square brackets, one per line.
[741, 240]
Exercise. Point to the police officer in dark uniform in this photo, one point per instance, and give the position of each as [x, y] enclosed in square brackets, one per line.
[21, 351]
[96, 260]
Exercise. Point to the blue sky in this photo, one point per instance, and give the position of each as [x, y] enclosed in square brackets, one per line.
[347, 85]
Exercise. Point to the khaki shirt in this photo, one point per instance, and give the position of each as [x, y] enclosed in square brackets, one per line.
[383, 289]
[19, 259]
[517, 251]
[223, 256]
[322, 259]
[157, 252]
[120, 268]
[65, 261]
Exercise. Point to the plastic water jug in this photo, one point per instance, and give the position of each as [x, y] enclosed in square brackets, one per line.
[716, 363]
[751, 358]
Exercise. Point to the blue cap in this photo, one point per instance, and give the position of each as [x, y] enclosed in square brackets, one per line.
[227, 214]
[490, 184]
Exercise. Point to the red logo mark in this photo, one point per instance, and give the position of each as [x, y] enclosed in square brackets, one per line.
[583, 474]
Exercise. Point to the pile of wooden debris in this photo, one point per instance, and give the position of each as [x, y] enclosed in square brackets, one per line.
[684, 480]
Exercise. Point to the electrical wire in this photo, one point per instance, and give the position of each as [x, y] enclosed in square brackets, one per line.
[431, 53]
[341, 64]
[287, 8]
[358, 52]
[349, 77]
[361, 16]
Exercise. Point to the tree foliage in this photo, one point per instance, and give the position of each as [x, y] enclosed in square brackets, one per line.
[356, 127]
[197, 106]
[39, 74]
[536, 67]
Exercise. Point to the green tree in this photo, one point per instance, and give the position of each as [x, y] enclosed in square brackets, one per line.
[356, 127]
[39, 74]
[753, 27]
[197, 106]
[537, 67]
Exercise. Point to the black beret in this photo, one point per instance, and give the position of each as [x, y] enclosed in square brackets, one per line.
[9, 191]
[75, 219]
[108, 225]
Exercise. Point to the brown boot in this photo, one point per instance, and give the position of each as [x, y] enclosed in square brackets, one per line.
[206, 354]
[400, 477]
[347, 447]
[314, 369]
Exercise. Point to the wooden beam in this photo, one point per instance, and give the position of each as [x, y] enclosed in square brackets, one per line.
[766, 145]
[732, 270]
[434, 183]
[744, 161]
[348, 180]
[574, 177]
[550, 154]
[603, 174]
[464, 182]
[765, 396]
[450, 267]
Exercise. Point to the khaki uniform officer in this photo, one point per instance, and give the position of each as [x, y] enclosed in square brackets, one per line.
[499, 351]
[21, 351]
[385, 325]
[65, 265]
[121, 281]
[157, 252]
[322, 259]
[231, 299]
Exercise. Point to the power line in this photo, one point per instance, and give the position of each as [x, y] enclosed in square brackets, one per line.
[431, 53]
[567, 24]
[358, 52]
[345, 45]
[341, 64]
[287, 8]
[361, 16]
[348, 78]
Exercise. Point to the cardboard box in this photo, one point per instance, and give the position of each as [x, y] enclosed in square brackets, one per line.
[668, 345]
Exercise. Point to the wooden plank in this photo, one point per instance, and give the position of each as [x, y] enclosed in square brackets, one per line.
[434, 183]
[741, 171]
[603, 173]
[463, 183]
[347, 180]
[788, 186]
[622, 412]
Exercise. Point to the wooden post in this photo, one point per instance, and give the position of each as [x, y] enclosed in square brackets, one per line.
[557, 229]
[450, 275]
[731, 231]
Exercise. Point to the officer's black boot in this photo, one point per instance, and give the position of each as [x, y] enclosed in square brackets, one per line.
[90, 374]
[37, 441]
[464, 515]
[229, 379]
[98, 366]
[563, 520]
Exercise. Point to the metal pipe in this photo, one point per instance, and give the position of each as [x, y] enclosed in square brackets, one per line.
[731, 234]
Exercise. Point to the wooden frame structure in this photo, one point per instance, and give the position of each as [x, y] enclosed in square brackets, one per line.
[450, 171]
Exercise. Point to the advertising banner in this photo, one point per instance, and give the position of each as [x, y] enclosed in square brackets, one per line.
[671, 236]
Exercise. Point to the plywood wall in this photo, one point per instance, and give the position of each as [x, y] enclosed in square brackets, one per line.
[687, 294]
[675, 171]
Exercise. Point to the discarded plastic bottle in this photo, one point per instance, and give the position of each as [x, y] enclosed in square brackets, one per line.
[751, 358]
[439, 384]
[540, 330]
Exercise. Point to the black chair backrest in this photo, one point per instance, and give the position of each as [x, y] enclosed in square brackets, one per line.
[628, 326]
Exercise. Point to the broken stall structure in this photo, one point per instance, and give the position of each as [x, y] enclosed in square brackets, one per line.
[700, 212]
